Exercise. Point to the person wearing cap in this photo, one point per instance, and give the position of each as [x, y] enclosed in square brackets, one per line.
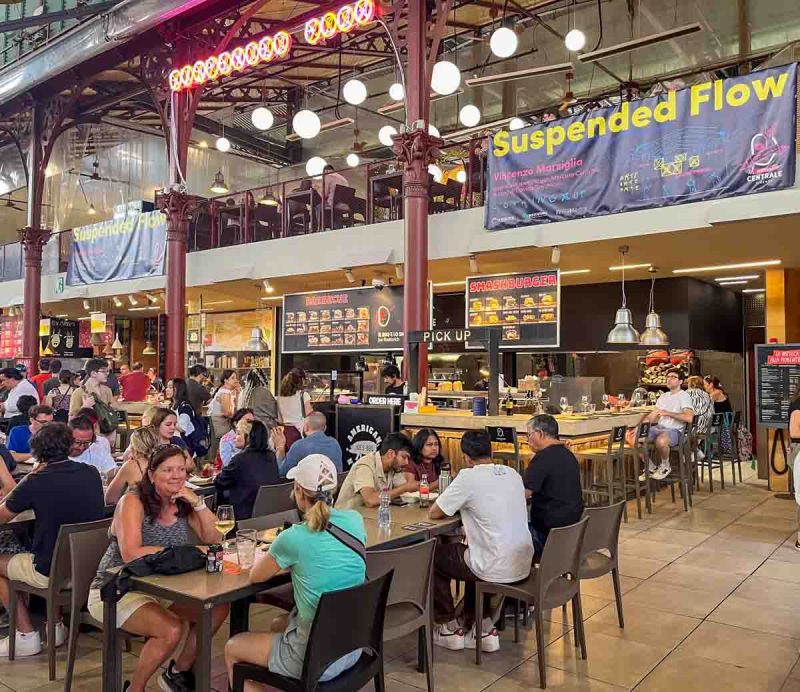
[318, 560]
[14, 382]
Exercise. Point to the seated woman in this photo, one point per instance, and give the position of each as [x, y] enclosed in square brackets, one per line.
[251, 468]
[427, 458]
[318, 561]
[160, 513]
[165, 423]
[143, 443]
[227, 443]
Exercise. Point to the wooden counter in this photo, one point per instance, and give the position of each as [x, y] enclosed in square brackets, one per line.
[579, 433]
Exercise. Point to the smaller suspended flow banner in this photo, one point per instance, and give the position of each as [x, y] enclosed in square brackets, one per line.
[127, 248]
[716, 139]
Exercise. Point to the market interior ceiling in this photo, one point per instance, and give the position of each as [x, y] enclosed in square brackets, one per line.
[120, 102]
[733, 243]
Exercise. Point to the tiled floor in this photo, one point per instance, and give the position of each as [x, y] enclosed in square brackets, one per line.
[709, 604]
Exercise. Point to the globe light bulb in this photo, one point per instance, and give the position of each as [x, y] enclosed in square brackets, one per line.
[315, 165]
[223, 145]
[433, 131]
[435, 171]
[516, 124]
[503, 42]
[306, 124]
[575, 40]
[461, 176]
[469, 115]
[396, 92]
[446, 78]
[385, 135]
[262, 118]
[354, 92]
[352, 160]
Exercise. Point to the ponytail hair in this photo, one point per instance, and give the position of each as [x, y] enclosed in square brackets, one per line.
[318, 516]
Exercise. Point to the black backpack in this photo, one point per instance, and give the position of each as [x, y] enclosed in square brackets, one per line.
[198, 441]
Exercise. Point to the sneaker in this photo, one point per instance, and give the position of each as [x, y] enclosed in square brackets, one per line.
[796, 544]
[490, 640]
[3, 618]
[126, 685]
[449, 637]
[662, 472]
[61, 634]
[700, 454]
[27, 645]
[172, 680]
[651, 469]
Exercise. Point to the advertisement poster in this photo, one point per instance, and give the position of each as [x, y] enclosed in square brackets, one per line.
[711, 140]
[62, 339]
[10, 337]
[349, 320]
[238, 331]
[777, 382]
[362, 429]
[127, 248]
[526, 306]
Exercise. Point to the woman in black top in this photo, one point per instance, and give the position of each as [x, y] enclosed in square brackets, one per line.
[254, 466]
[718, 395]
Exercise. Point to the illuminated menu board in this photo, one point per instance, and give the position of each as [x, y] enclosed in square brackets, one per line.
[349, 320]
[777, 382]
[526, 306]
[10, 337]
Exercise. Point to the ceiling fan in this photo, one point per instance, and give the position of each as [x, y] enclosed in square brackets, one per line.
[12, 204]
[95, 174]
[358, 145]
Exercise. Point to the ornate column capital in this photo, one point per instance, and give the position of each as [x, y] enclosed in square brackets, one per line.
[178, 207]
[415, 150]
[33, 241]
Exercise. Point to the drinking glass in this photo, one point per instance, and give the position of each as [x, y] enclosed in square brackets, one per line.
[246, 547]
[225, 520]
[591, 408]
[652, 398]
[606, 399]
[621, 400]
[584, 402]
[563, 403]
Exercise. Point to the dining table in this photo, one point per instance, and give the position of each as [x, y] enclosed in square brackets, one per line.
[203, 591]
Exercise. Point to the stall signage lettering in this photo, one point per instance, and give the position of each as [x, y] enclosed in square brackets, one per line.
[512, 282]
[377, 400]
[441, 336]
[272, 46]
[784, 358]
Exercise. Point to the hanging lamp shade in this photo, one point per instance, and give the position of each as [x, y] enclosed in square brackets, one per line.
[269, 200]
[653, 334]
[623, 331]
[148, 349]
[219, 186]
[117, 345]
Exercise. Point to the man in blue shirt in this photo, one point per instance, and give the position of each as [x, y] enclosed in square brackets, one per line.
[314, 441]
[19, 437]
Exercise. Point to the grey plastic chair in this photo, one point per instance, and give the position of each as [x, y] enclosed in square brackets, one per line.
[409, 606]
[282, 595]
[57, 594]
[603, 534]
[270, 521]
[86, 550]
[273, 498]
[552, 583]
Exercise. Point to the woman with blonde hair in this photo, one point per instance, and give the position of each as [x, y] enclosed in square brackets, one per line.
[143, 443]
[324, 553]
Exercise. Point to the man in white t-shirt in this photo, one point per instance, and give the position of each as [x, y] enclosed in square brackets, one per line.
[673, 411]
[90, 448]
[12, 380]
[491, 499]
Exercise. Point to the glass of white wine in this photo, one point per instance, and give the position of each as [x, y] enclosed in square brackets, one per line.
[225, 520]
[606, 399]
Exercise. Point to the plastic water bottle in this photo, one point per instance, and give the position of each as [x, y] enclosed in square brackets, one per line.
[384, 512]
[444, 477]
[424, 492]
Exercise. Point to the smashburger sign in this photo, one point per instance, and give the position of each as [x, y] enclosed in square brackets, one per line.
[513, 282]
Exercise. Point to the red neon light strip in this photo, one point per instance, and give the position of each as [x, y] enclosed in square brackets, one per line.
[347, 18]
[266, 50]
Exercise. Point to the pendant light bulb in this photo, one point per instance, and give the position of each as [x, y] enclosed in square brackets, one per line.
[469, 115]
[503, 42]
[223, 145]
[385, 135]
[315, 165]
[446, 78]
[352, 159]
[461, 176]
[91, 210]
[219, 186]
[354, 92]
[575, 40]
[397, 92]
[306, 124]
[653, 334]
[516, 124]
[623, 331]
[262, 118]
[435, 171]
[433, 131]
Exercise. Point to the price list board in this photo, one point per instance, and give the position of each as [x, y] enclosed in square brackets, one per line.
[10, 337]
[777, 382]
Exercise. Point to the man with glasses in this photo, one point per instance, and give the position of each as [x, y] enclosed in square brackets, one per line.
[673, 411]
[552, 481]
[19, 439]
[94, 389]
[90, 448]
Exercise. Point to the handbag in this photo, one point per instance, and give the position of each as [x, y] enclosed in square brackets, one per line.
[177, 559]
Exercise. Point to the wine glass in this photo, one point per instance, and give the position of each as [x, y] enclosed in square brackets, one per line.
[584, 402]
[606, 399]
[225, 520]
[563, 404]
[621, 402]
[652, 398]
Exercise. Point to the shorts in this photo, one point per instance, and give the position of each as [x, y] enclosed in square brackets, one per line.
[126, 606]
[289, 649]
[21, 568]
[673, 433]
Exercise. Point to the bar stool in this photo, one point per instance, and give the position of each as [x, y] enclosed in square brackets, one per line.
[682, 451]
[610, 455]
[709, 442]
[730, 452]
[501, 435]
[639, 455]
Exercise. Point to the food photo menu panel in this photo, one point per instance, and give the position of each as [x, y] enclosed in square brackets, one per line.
[526, 306]
[349, 320]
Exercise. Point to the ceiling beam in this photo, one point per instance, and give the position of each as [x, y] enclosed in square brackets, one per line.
[51, 17]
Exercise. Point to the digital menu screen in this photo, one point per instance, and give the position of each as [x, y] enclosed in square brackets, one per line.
[526, 306]
[778, 382]
[349, 320]
[10, 337]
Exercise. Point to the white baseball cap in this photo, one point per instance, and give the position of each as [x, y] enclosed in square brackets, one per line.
[314, 472]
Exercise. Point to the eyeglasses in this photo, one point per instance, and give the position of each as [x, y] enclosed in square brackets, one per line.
[83, 444]
[42, 422]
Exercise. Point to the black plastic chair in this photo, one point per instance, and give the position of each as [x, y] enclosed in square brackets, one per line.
[709, 443]
[361, 608]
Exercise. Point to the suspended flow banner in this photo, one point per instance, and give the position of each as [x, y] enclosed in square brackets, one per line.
[126, 248]
[711, 140]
